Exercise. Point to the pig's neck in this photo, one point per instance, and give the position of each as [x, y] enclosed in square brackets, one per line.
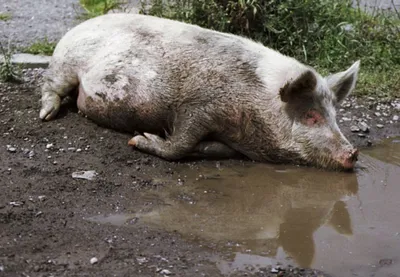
[276, 140]
[275, 137]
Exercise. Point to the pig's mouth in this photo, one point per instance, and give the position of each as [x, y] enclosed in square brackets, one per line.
[348, 160]
[343, 162]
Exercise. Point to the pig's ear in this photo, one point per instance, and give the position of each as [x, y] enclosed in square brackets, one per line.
[343, 83]
[303, 85]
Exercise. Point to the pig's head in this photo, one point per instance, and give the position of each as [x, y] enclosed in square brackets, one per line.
[310, 102]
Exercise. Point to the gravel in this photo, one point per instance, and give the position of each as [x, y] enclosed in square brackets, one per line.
[37, 20]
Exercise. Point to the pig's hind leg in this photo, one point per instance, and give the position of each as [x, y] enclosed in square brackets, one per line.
[155, 145]
[58, 83]
[215, 150]
[184, 140]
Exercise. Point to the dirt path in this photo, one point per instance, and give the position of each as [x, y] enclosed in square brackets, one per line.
[42, 208]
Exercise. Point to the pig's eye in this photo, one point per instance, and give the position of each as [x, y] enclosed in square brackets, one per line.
[312, 118]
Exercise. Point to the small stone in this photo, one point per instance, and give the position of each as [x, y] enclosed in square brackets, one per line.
[11, 149]
[363, 126]
[142, 260]
[378, 114]
[87, 175]
[369, 143]
[346, 119]
[55, 162]
[165, 272]
[361, 135]
[78, 150]
[395, 117]
[49, 146]
[379, 126]
[30, 60]
[71, 148]
[16, 203]
[42, 197]
[274, 270]
[1, 268]
[354, 129]
[93, 260]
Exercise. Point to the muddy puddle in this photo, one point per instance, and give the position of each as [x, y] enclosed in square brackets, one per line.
[346, 224]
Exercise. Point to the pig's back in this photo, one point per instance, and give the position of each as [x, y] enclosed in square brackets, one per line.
[165, 54]
[121, 36]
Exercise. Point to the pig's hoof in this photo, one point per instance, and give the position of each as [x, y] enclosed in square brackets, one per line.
[132, 141]
[145, 141]
[50, 108]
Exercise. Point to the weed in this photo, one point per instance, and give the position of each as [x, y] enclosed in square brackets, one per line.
[44, 47]
[95, 8]
[5, 16]
[8, 71]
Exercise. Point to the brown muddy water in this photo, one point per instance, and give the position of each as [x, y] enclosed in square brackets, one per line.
[346, 224]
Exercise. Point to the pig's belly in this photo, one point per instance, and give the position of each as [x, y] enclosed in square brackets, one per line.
[127, 114]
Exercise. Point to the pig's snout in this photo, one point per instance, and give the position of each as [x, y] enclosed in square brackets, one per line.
[349, 159]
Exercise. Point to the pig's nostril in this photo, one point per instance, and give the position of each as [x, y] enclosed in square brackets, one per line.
[350, 159]
[354, 155]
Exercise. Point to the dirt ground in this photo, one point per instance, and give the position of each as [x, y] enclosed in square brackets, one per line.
[42, 208]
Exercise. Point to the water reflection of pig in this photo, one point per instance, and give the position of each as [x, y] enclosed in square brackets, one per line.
[261, 210]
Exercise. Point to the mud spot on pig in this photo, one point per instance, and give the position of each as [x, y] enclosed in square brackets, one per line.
[114, 114]
[248, 71]
[201, 40]
[102, 95]
[111, 78]
[145, 35]
[123, 115]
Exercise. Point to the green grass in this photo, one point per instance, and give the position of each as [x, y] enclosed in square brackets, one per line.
[5, 16]
[329, 35]
[381, 84]
[8, 71]
[43, 47]
[95, 8]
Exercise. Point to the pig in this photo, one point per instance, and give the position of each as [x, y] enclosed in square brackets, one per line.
[186, 91]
